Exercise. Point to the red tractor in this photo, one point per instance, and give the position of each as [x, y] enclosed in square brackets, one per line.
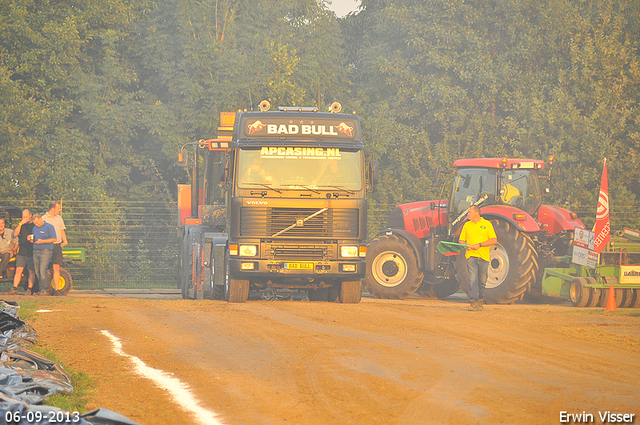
[403, 259]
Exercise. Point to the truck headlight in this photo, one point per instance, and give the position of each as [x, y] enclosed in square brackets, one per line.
[349, 251]
[248, 250]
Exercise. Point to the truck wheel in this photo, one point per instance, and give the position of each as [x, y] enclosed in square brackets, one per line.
[237, 290]
[437, 288]
[513, 266]
[392, 269]
[578, 293]
[219, 291]
[351, 292]
[186, 267]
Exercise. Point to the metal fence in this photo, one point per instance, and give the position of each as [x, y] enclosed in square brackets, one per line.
[134, 245]
[126, 244]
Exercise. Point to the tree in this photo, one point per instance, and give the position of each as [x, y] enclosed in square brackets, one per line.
[518, 78]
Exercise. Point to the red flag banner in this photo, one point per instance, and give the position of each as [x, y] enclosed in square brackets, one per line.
[603, 227]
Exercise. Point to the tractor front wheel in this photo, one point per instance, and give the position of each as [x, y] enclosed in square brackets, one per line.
[392, 268]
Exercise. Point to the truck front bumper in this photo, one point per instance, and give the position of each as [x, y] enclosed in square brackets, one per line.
[273, 269]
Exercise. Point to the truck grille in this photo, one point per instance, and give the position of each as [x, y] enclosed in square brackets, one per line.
[266, 222]
[301, 252]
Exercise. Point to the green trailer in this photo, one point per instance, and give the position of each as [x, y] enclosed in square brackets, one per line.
[588, 285]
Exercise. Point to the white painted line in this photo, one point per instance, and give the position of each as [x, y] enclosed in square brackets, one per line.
[178, 389]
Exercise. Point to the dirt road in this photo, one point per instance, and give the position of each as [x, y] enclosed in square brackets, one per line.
[378, 362]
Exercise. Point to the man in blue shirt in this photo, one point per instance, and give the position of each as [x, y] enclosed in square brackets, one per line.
[44, 236]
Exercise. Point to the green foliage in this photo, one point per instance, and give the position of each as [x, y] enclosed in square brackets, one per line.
[96, 98]
[516, 78]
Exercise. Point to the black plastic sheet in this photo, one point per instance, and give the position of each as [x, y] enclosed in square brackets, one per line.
[27, 379]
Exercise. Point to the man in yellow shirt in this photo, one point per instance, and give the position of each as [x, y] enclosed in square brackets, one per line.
[479, 235]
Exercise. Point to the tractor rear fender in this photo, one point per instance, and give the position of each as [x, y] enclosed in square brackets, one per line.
[413, 241]
[558, 219]
[523, 221]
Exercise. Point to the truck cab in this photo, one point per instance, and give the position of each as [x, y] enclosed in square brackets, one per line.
[298, 203]
[295, 208]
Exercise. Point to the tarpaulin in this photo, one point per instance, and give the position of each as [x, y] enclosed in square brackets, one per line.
[27, 379]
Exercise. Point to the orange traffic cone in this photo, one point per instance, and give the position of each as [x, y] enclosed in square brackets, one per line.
[611, 300]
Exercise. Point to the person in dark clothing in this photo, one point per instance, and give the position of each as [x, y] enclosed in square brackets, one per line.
[24, 258]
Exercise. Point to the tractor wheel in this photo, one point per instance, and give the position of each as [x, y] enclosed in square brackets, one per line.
[595, 297]
[237, 290]
[628, 298]
[620, 294]
[320, 294]
[351, 292]
[636, 298]
[595, 293]
[513, 266]
[65, 281]
[437, 288]
[392, 268]
[604, 296]
[578, 293]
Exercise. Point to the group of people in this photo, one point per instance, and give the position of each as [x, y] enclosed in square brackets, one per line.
[35, 242]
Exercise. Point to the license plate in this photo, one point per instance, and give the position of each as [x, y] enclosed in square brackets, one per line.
[298, 266]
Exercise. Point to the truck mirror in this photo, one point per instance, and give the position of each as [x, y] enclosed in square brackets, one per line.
[374, 172]
[226, 174]
[183, 159]
[467, 181]
[432, 206]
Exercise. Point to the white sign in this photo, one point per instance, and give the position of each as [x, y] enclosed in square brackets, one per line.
[584, 257]
[583, 238]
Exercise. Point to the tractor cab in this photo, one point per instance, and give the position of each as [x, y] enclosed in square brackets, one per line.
[495, 181]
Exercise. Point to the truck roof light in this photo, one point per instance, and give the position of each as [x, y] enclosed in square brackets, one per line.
[264, 106]
[503, 163]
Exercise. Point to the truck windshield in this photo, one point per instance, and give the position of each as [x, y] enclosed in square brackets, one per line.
[314, 168]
